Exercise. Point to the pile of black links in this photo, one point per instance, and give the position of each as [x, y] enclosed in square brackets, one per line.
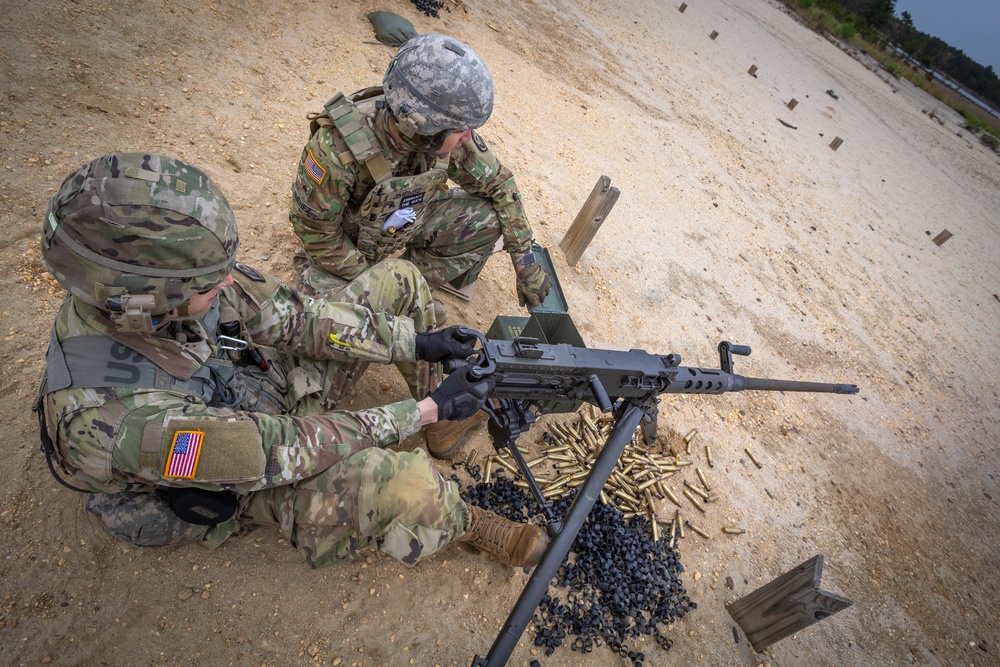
[618, 584]
[430, 7]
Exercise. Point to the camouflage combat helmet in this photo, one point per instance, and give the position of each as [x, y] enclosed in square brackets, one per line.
[435, 84]
[137, 235]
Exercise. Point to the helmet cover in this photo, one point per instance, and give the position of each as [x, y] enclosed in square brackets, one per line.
[443, 81]
[140, 227]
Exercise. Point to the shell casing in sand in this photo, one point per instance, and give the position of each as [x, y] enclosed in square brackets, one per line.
[712, 498]
[507, 464]
[604, 497]
[488, 469]
[670, 494]
[708, 456]
[562, 481]
[730, 530]
[695, 489]
[648, 483]
[625, 496]
[471, 458]
[533, 462]
[690, 435]
[694, 501]
[752, 457]
[678, 523]
[702, 479]
[697, 529]
[654, 525]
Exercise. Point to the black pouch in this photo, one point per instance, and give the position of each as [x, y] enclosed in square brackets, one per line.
[201, 507]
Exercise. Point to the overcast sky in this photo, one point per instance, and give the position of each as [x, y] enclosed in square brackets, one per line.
[970, 25]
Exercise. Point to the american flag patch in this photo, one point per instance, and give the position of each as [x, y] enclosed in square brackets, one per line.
[316, 172]
[184, 452]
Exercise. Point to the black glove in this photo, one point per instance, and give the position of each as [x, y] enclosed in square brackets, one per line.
[459, 398]
[444, 344]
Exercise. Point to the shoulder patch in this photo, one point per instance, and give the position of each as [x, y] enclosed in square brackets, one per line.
[218, 451]
[478, 140]
[252, 274]
[313, 168]
[182, 460]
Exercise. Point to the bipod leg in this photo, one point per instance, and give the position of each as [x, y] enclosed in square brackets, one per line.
[506, 422]
[548, 567]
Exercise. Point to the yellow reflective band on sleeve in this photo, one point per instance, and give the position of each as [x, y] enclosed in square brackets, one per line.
[336, 342]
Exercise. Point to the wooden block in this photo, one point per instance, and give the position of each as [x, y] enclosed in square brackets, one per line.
[792, 103]
[590, 218]
[682, 8]
[788, 604]
[752, 71]
[714, 34]
[942, 237]
[835, 144]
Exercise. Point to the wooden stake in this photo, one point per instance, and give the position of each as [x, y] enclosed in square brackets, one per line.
[590, 218]
[788, 604]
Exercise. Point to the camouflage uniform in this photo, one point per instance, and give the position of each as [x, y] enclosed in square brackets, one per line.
[338, 212]
[116, 403]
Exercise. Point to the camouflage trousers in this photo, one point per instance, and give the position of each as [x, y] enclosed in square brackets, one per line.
[394, 500]
[457, 234]
[393, 286]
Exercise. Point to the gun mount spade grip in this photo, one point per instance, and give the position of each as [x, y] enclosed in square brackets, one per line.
[600, 394]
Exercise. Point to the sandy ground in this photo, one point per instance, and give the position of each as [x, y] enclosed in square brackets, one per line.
[731, 225]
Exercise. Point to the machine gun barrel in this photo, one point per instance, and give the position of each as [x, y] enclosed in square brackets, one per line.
[525, 369]
[534, 377]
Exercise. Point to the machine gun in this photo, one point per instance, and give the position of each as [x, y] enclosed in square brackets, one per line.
[531, 378]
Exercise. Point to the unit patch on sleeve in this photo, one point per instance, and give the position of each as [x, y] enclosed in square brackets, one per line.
[478, 140]
[184, 453]
[315, 171]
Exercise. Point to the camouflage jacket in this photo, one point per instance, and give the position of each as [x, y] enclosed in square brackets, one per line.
[331, 186]
[112, 438]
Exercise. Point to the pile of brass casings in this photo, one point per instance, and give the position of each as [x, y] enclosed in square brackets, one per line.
[637, 485]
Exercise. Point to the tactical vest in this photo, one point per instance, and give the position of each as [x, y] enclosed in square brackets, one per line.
[349, 117]
[90, 362]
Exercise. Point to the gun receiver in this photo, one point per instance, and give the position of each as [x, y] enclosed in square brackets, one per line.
[531, 376]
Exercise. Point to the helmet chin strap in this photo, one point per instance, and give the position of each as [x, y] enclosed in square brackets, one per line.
[408, 124]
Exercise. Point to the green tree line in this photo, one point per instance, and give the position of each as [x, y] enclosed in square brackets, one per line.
[876, 20]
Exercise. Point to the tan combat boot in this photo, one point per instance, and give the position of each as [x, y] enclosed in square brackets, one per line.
[517, 544]
[445, 437]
